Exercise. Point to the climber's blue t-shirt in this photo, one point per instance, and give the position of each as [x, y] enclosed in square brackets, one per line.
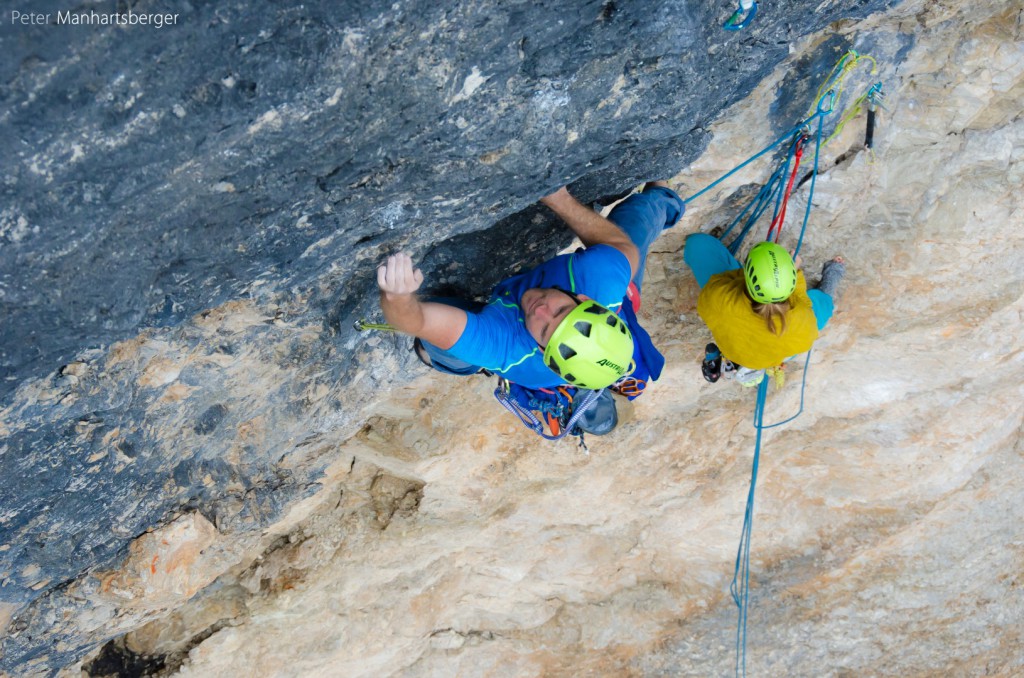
[496, 337]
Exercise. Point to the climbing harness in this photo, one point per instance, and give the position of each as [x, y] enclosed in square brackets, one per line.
[562, 408]
[561, 413]
[742, 17]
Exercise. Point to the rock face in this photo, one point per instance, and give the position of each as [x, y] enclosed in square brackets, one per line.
[240, 483]
[250, 148]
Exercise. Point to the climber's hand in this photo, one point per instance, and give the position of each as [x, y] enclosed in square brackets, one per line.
[397, 276]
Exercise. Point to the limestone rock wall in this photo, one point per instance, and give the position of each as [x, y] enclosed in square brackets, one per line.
[192, 215]
[251, 490]
[886, 532]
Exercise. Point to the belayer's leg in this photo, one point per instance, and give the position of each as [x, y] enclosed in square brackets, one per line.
[643, 216]
[707, 256]
[824, 295]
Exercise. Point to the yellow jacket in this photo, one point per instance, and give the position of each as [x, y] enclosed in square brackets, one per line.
[742, 335]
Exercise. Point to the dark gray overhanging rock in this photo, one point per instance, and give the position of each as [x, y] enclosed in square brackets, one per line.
[254, 161]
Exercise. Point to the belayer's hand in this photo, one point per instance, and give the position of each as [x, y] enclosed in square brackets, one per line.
[397, 275]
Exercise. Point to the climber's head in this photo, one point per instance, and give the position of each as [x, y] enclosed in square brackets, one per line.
[770, 273]
[584, 342]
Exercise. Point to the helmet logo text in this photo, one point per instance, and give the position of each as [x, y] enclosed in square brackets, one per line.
[604, 362]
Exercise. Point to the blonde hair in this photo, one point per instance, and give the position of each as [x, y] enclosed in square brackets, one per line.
[772, 311]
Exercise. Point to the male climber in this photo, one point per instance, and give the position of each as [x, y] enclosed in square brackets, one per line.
[563, 322]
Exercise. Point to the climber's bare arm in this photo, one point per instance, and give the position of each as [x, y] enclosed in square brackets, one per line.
[440, 324]
[591, 227]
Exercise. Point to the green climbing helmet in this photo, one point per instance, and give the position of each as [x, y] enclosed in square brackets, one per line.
[591, 348]
[770, 273]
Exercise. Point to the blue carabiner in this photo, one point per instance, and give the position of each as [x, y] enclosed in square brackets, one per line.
[831, 97]
[738, 21]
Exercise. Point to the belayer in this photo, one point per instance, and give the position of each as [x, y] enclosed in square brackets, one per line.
[760, 313]
[569, 322]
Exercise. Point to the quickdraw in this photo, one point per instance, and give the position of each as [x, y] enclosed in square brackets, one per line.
[362, 325]
[742, 17]
[631, 387]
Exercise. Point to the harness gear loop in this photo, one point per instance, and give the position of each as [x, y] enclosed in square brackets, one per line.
[503, 395]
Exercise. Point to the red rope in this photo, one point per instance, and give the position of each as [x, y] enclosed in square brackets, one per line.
[781, 216]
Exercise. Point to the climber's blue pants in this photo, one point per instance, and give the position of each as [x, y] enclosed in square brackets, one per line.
[643, 216]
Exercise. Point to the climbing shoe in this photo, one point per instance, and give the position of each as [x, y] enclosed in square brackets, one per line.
[712, 365]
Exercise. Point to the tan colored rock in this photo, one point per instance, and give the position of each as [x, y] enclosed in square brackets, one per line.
[178, 630]
[887, 535]
[75, 369]
[165, 567]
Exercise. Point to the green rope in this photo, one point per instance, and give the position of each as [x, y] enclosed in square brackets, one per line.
[836, 79]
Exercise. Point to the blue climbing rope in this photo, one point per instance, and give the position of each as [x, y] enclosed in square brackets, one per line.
[740, 587]
[819, 113]
[814, 172]
[803, 389]
[772, 192]
[772, 189]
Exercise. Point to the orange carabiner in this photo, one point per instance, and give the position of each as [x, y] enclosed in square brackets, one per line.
[630, 387]
[554, 424]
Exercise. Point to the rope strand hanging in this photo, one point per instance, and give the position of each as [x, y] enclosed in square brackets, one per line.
[777, 190]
